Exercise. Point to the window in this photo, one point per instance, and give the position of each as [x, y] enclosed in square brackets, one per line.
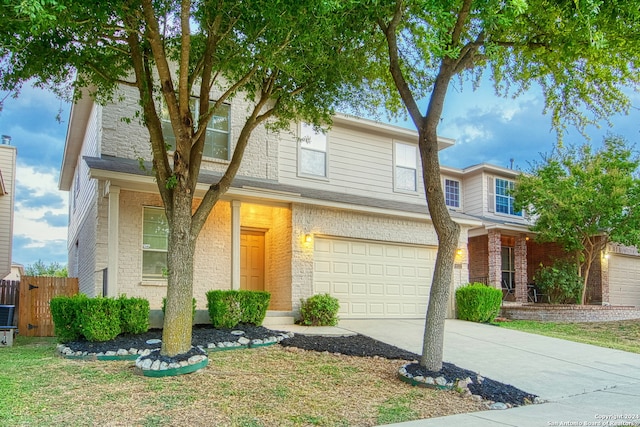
[504, 200]
[405, 167]
[313, 151]
[452, 193]
[155, 231]
[216, 143]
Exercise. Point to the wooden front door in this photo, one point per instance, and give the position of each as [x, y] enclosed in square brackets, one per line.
[252, 260]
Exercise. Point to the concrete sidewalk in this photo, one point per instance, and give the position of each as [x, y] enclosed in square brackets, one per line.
[583, 384]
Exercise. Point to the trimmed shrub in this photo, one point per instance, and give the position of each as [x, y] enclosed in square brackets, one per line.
[64, 312]
[319, 310]
[559, 282]
[99, 318]
[230, 307]
[224, 308]
[477, 302]
[254, 306]
[134, 315]
[193, 309]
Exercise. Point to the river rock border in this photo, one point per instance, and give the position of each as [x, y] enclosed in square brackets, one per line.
[461, 386]
[134, 353]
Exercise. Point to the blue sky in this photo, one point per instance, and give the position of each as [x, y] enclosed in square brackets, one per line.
[486, 129]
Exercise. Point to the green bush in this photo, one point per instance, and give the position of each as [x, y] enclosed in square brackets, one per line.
[560, 282]
[134, 315]
[477, 302]
[319, 310]
[99, 318]
[254, 306]
[230, 307]
[194, 303]
[64, 312]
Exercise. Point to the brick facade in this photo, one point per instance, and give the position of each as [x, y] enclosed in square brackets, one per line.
[495, 258]
[570, 313]
[520, 254]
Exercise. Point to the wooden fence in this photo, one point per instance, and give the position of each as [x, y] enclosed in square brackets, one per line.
[34, 316]
[9, 292]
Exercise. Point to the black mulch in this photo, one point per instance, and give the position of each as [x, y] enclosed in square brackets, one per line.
[357, 345]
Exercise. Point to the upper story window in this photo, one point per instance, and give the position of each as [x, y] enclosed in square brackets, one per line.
[216, 143]
[406, 166]
[155, 233]
[504, 199]
[313, 151]
[452, 193]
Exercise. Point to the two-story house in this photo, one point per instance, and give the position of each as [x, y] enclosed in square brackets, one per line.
[341, 212]
[7, 200]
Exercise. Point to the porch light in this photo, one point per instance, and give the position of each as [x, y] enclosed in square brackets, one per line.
[606, 254]
[307, 238]
[459, 252]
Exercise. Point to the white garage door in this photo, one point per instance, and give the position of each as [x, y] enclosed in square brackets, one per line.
[373, 279]
[624, 280]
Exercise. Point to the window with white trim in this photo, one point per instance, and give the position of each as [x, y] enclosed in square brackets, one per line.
[313, 151]
[504, 199]
[452, 193]
[216, 143]
[406, 166]
[155, 232]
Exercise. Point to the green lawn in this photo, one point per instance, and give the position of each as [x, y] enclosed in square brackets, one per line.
[270, 386]
[621, 335]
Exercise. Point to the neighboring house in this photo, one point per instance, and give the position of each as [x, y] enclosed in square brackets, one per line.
[17, 271]
[503, 253]
[7, 199]
[342, 212]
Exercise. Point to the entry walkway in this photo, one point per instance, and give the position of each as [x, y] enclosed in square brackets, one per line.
[583, 384]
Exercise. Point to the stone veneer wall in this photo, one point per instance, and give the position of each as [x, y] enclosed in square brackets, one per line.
[212, 255]
[131, 140]
[569, 313]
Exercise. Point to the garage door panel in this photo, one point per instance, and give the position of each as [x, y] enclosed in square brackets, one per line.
[393, 271]
[374, 279]
[624, 280]
[341, 288]
[358, 268]
[376, 270]
[359, 289]
[376, 289]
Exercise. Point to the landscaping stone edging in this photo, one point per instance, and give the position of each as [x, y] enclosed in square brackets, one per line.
[134, 353]
[569, 312]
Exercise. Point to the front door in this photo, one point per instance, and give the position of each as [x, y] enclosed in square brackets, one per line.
[252, 260]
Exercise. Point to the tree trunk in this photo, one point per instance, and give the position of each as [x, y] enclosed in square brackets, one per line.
[448, 234]
[178, 319]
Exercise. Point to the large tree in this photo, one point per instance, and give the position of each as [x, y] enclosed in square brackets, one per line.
[290, 59]
[583, 199]
[581, 54]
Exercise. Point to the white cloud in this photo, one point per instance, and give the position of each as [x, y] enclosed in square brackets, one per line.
[29, 218]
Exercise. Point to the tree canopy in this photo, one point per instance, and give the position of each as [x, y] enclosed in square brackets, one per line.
[289, 59]
[582, 55]
[584, 198]
[40, 268]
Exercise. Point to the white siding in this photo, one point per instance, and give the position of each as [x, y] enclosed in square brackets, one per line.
[358, 163]
[8, 171]
[473, 194]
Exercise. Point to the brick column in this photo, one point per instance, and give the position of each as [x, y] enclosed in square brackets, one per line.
[495, 259]
[520, 261]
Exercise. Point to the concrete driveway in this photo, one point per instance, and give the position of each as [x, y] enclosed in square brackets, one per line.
[583, 384]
